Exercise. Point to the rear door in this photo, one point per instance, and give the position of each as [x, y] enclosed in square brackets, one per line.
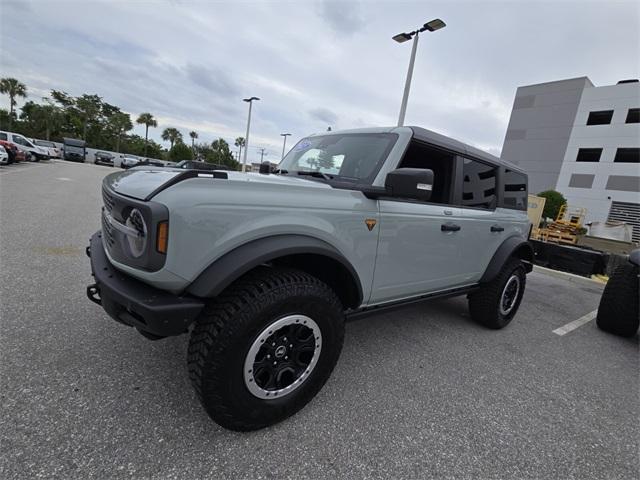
[489, 213]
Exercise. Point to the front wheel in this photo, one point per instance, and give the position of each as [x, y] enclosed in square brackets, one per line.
[263, 349]
[495, 304]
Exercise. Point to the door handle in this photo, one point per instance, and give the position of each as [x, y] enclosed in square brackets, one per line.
[449, 227]
[497, 228]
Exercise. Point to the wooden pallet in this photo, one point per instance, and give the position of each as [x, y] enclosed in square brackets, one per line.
[556, 236]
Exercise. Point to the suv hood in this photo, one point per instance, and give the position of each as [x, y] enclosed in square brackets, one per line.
[143, 183]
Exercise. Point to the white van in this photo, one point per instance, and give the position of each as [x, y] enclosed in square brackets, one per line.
[33, 152]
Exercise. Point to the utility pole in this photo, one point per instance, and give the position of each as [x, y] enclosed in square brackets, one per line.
[262, 154]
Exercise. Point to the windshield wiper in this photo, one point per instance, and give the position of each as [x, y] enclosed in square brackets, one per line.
[278, 171]
[315, 174]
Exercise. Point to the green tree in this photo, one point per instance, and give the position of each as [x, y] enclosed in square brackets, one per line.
[89, 108]
[325, 160]
[553, 203]
[13, 88]
[41, 120]
[179, 152]
[171, 135]
[147, 120]
[119, 123]
[240, 144]
[193, 136]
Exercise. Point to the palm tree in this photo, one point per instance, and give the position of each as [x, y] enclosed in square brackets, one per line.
[193, 136]
[13, 88]
[147, 120]
[240, 144]
[171, 135]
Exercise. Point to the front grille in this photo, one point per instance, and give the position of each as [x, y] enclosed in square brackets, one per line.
[119, 207]
[109, 202]
[107, 230]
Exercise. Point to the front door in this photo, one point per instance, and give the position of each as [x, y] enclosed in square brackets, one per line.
[418, 250]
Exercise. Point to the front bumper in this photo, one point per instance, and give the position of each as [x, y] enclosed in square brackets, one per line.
[152, 311]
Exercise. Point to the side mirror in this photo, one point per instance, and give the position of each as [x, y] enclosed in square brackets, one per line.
[414, 183]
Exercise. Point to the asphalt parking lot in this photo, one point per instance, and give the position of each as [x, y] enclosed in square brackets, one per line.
[418, 393]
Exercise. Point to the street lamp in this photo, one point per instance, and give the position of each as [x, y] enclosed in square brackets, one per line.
[431, 26]
[246, 138]
[284, 143]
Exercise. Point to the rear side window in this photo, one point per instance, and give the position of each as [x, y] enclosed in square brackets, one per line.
[3, 136]
[478, 184]
[515, 190]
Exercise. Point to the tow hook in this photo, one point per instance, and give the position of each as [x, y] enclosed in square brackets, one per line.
[93, 293]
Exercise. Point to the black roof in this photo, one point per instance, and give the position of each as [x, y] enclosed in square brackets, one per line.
[462, 148]
[73, 142]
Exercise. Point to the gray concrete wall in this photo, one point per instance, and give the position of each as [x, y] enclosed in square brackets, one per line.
[540, 127]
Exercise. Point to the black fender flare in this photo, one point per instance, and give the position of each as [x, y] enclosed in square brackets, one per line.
[231, 266]
[512, 246]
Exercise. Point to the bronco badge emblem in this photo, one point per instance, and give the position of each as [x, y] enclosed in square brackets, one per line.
[370, 222]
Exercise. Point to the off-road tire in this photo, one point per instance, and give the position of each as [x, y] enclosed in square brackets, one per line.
[484, 304]
[618, 310]
[229, 325]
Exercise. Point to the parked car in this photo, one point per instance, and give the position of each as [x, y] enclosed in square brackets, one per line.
[74, 149]
[15, 154]
[619, 309]
[52, 150]
[32, 152]
[198, 165]
[4, 156]
[265, 267]
[150, 162]
[104, 158]
[129, 161]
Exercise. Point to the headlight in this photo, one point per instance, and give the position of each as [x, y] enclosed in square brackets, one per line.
[137, 244]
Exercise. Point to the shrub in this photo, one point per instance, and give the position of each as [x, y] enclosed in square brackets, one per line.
[180, 152]
[554, 201]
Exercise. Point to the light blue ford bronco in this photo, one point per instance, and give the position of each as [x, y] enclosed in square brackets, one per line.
[264, 268]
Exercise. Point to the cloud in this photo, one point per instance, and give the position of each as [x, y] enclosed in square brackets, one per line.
[325, 115]
[213, 80]
[343, 17]
[313, 64]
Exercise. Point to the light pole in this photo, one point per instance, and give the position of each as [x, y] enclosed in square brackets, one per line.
[246, 138]
[431, 26]
[284, 143]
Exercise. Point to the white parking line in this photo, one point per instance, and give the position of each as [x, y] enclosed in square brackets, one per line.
[576, 323]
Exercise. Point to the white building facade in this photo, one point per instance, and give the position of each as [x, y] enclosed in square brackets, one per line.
[589, 150]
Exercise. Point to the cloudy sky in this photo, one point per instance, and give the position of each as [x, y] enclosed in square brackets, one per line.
[314, 64]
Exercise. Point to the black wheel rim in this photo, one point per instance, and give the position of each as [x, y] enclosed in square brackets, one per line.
[510, 294]
[282, 357]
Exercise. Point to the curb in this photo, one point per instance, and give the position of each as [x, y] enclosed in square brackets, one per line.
[588, 282]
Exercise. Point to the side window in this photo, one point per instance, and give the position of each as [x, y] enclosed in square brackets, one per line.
[3, 136]
[515, 190]
[420, 155]
[19, 140]
[478, 184]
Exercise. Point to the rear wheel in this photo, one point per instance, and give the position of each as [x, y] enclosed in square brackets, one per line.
[263, 349]
[496, 303]
[618, 310]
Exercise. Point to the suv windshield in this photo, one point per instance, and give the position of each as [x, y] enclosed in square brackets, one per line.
[354, 157]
